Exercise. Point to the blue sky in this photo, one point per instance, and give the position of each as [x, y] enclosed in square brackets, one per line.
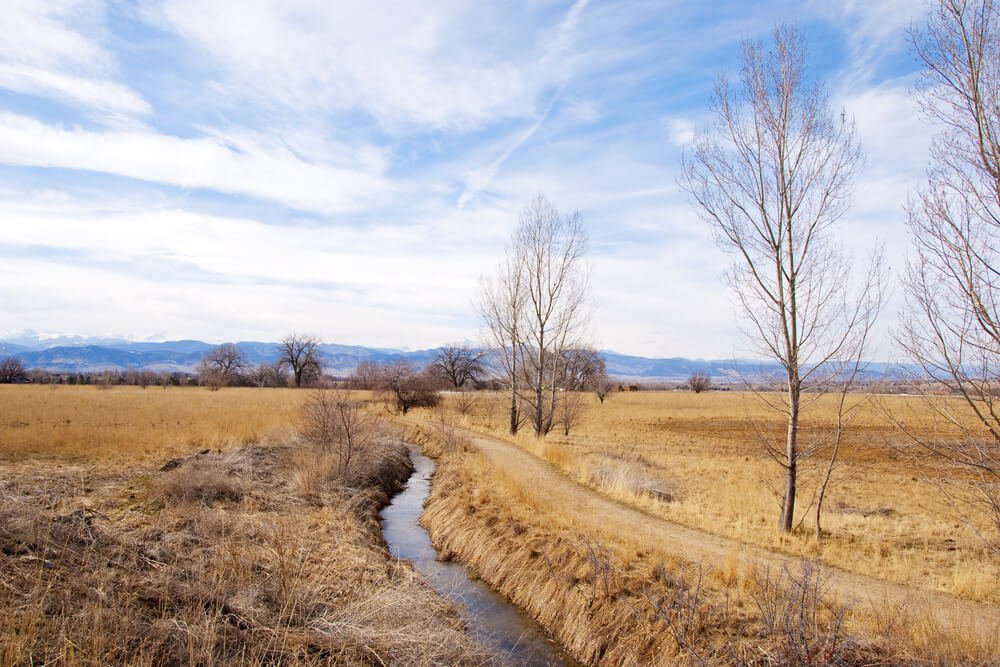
[239, 169]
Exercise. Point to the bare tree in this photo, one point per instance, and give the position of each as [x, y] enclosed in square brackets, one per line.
[699, 382]
[569, 409]
[12, 370]
[501, 306]
[581, 369]
[301, 353]
[555, 284]
[408, 388]
[365, 376]
[603, 387]
[458, 364]
[952, 329]
[772, 179]
[223, 365]
[534, 309]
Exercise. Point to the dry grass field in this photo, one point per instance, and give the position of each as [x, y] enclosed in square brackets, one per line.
[133, 423]
[615, 595]
[696, 459]
[189, 527]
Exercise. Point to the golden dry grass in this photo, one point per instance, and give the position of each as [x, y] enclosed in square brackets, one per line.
[696, 459]
[89, 422]
[122, 541]
[612, 598]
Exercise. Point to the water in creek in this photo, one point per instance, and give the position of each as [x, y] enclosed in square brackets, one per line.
[489, 618]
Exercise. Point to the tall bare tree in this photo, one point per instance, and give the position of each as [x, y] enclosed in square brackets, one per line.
[301, 353]
[501, 306]
[772, 179]
[953, 283]
[535, 308]
[555, 281]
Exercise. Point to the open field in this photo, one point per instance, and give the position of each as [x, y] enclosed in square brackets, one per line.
[130, 422]
[618, 586]
[190, 527]
[696, 459]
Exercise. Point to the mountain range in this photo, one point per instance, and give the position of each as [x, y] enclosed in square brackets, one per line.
[76, 354]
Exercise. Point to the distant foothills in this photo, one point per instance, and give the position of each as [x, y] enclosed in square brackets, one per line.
[77, 354]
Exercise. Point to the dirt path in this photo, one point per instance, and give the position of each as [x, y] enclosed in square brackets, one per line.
[600, 514]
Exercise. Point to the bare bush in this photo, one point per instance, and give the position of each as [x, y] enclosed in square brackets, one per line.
[339, 425]
[569, 409]
[465, 402]
[805, 627]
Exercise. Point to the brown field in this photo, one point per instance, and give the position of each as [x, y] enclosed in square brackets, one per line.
[130, 422]
[614, 595]
[254, 552]
[185, 526]
[696, 459]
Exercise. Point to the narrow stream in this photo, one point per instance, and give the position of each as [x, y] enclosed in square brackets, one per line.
[490, 619]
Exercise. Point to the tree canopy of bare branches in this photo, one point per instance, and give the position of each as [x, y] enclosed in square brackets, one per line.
[301, 353]
[223, 365]
[458, 365]
[582, 369]
[12, 370]
[699, 382]
[771, 179]
[952, 329]
[408, 388]
[534, 308]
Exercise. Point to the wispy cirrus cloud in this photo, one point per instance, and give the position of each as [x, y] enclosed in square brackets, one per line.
[52, 48]
[243, 164]
[404, 64]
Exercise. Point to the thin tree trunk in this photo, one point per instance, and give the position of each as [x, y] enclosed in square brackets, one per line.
[514, 420]
[539, 389]
[791, 457]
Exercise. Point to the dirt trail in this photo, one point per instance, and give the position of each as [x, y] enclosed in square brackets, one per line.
[600, 514]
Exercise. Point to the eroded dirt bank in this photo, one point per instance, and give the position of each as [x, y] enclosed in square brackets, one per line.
[257, 555]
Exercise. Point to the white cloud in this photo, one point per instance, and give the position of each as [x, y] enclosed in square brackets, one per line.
[95, 95]
[680, 131]
[874, 31]
[401, 62]
[450, 65]
[51, 48]
[138, 265]
[243, 164]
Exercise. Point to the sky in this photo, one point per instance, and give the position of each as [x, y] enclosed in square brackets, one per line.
[241, 169]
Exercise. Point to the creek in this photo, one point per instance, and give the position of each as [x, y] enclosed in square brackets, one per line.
[489, 618]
